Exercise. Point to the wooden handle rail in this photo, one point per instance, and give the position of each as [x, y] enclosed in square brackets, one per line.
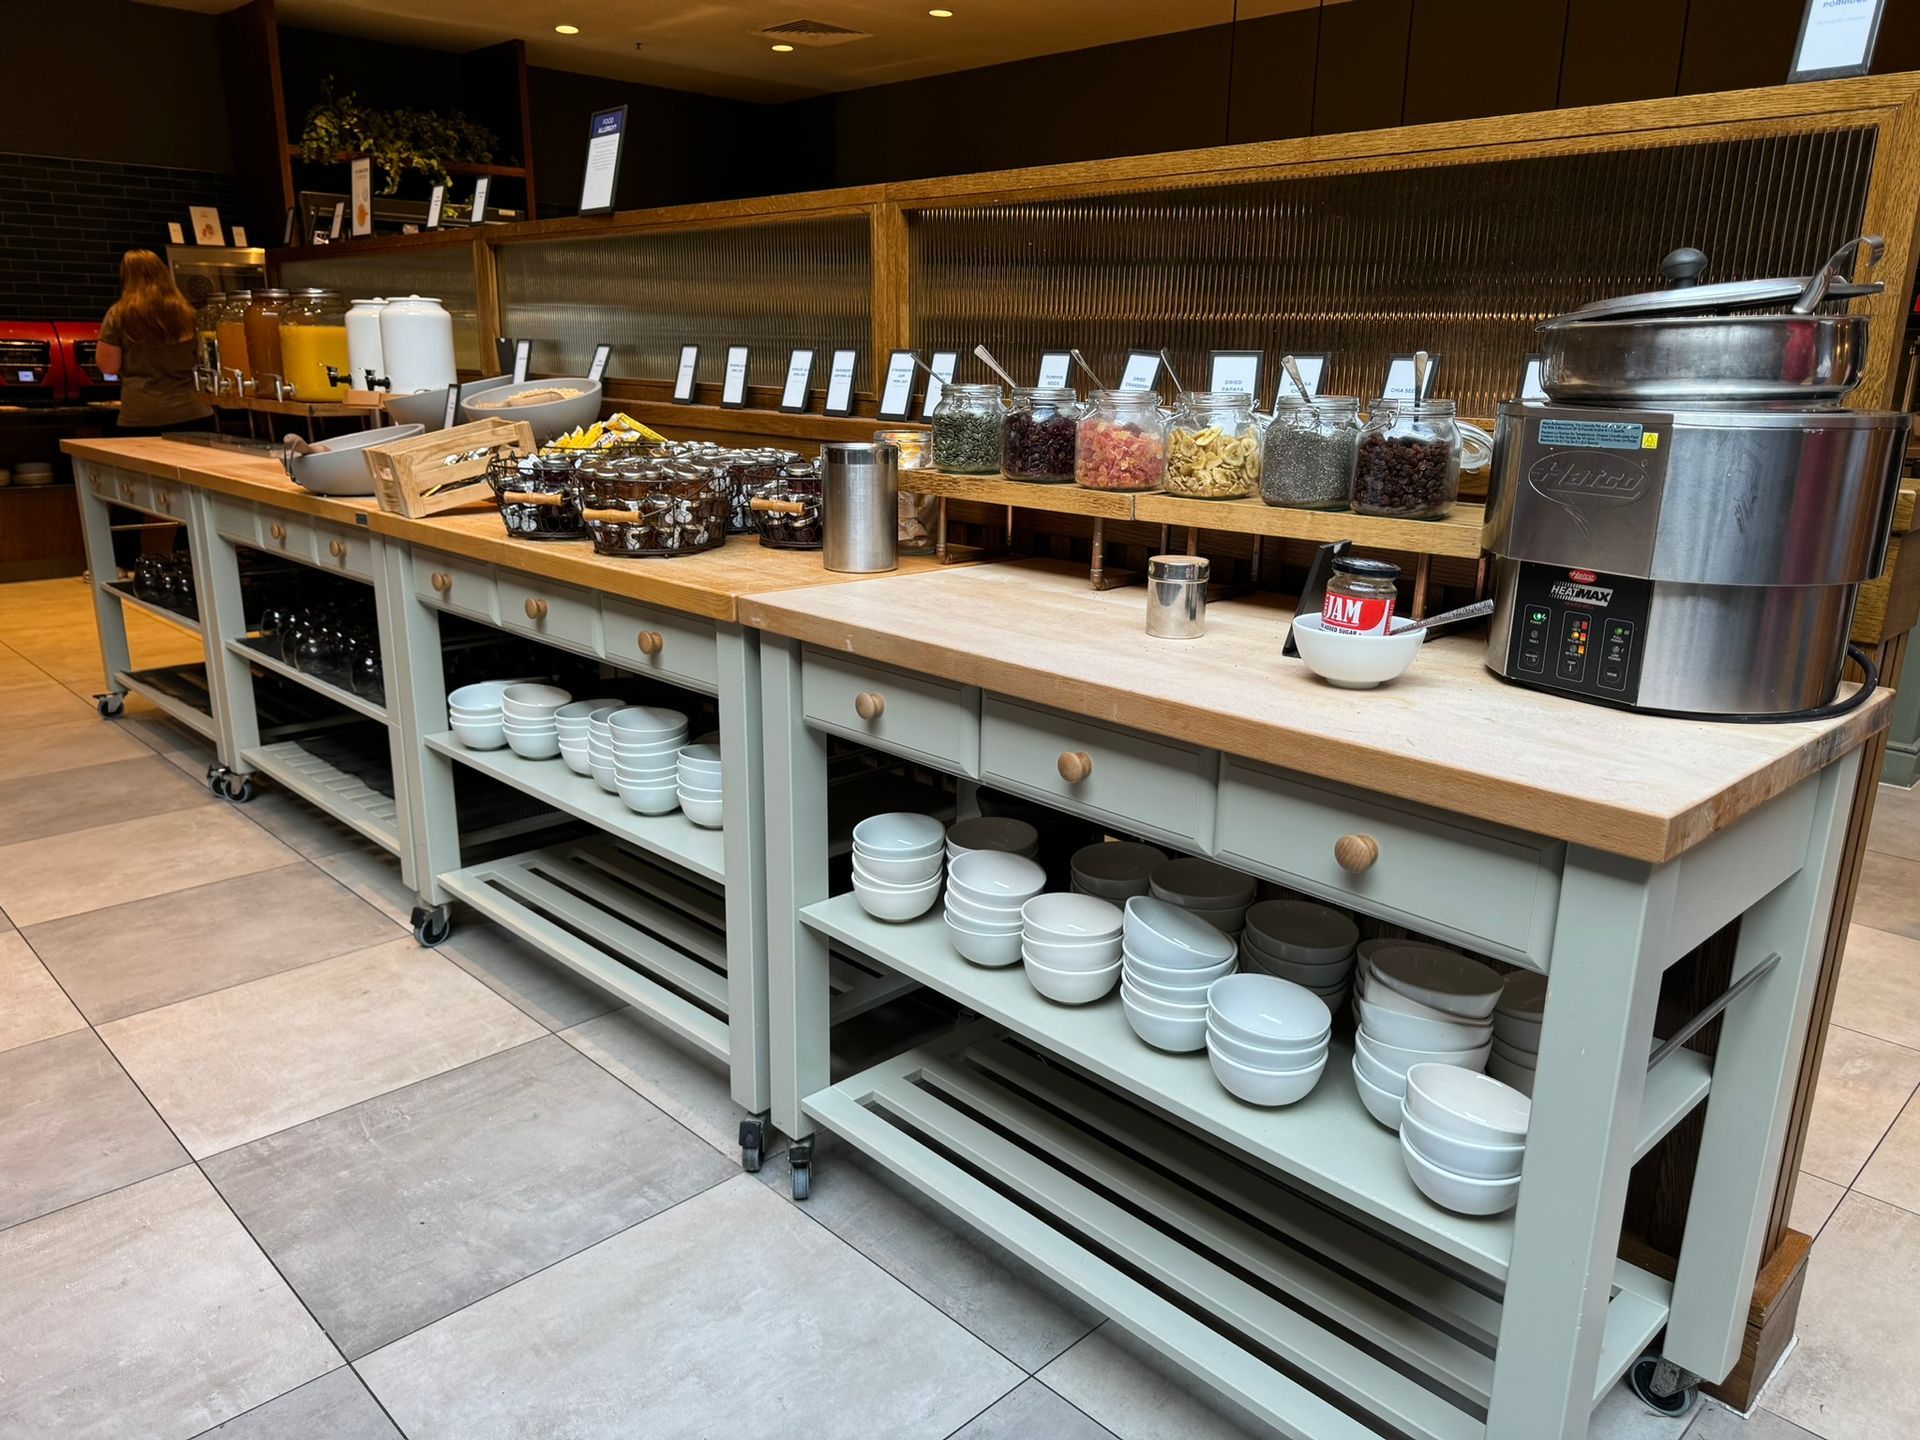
[530, 497]
[869, 704]
[781, 507]
[651, 641]
[536, 609]
[1356, 853]
[1075, 766]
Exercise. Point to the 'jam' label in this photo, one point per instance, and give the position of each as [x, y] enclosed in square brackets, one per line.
[1356, 615]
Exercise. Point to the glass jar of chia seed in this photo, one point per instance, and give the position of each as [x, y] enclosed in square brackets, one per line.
[1039, 439]
[967, 429]
[1408, 464]
[1310, 452]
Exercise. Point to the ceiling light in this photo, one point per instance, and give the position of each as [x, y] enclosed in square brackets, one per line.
[783, 49]
[566, 29]
[941, 14]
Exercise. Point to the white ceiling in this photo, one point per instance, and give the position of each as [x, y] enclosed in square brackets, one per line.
[709, 46]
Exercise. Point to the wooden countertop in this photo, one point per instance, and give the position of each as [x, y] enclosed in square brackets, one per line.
[708, 584]
[1446, 734]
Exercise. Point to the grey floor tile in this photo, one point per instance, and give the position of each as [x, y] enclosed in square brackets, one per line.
[146, 1312]
[1813, 1202]
[374, 876]
[1879, 989]
[73, 1126]
[33, 1007]
[244, 1062]
[29, 696]
[1030, 1413]
[1863, 1086]
[729, 1315]
[686, 1083]
[1622, 1415]
[1896, 823]
[514, 970]
[78, 799]
[1855, 1373]
[153, 952]
[152, 727]
[1716, 1422]
[334, 1407]
[386, 1216]
[1006, 1303]
[1885, 898]
[1139, 1396]
[83, 740]
[1893, 1172]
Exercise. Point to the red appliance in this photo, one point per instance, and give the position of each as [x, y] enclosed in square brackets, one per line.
[85, 380]
[31, 368]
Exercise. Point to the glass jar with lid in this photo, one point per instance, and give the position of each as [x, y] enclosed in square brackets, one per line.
[1360, 596]
[1408, 461]
[263, 333]
[313, 344]
[1213, 446]
[967, 427]
[1041, 420]
[205, 341]
[1120, 442]
[1310, 451]
[230, 331]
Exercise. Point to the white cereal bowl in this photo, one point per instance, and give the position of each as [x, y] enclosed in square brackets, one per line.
[983, 901]
[576, 713]
[705, 792]
[602, 773]
[1262, 1057]
[876, 882]
[1196, 978]
[480, 736]
[1264, 1087]
[1163, 934]
[995, 877]
[1097, 955]
[1467, 1104]
[1507, 1073]
[1266, 1011]
[1068, 918]
[1402, 1058]
[648, 799]
[1070, 987]
[1516, 1030]
[900, 834]
[1462, 1194]
[1383, 1105]
[1444, 979]
[895, 904]
[1388, 999]
[998, 951]
[1185, 997]
[1163, 1031]
[1301, 932]
[897, 872]
[534, 701]
[666, 750]
[483, 696]
[1523, 993]
[1523, 1059]
[701, 755]
[992, 832]
[537, 746]
[644, 777]
[1413, 1032]
[985, 917]
[1356, 662]
[576, 758]
[1393, 1081]
[707, 814]
[646, 722]
[1173, 1009]
[1463, 1157]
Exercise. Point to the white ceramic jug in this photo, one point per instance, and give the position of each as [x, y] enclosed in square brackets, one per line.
[363, 341]
[416, 341]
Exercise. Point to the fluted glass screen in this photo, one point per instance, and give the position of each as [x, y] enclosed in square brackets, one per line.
[445, 273]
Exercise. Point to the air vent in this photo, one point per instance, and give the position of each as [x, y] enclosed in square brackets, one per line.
[817, 33]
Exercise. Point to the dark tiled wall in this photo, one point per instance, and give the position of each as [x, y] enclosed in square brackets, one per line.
[64, 223]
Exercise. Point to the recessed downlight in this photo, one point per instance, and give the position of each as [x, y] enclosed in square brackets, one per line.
[566, 29]
[941, 14]
[783, 49]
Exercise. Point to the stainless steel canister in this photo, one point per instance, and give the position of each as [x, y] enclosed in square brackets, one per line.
[860, 490]
[1177, 596]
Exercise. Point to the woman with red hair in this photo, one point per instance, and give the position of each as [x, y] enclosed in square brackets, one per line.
[147, 340]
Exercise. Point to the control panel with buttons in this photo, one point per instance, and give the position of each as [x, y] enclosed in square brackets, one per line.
[1579, 631]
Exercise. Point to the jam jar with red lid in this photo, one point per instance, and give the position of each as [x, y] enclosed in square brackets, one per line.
[1360, 596]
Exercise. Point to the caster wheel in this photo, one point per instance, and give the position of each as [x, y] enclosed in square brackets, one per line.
[216, 778]
[1641, 1378]
[109, 705]
[432, 928]
[800, 1161]
[752, 1145]
[238, 789]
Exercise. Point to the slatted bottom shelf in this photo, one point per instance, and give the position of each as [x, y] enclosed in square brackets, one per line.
[321, 783]
[123, 589]
[1320, 1327]
[178, 690]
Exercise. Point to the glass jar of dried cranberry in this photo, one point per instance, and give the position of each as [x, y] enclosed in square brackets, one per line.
[1038, 444]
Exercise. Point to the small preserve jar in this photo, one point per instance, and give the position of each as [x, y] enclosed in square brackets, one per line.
[967, 425]
[1120, 443]
[1409, 461]
[263, 332]
[1360, 596]
[1311, 449]
[313, 344]
[919, 513]
[1040, 431]
[1213, 446]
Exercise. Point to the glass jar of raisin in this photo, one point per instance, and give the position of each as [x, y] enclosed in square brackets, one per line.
[1409, 462]
[1039, 436]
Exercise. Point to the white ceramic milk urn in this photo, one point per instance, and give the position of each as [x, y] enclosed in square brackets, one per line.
[363, 341]
[416, 341]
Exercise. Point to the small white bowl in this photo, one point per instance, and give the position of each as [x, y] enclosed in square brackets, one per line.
[474, 712]
[895, 904]
[576, 713]
[1463, 1157]
[1198, 977]
[900, 833]
[1356, 662]
[1444, 979]
[480, 737]
[897, 872]
[529, 727]
[992, 832]
[483, 696]
[1186, 997]
[576, 759]
[701, 754]
[533, 702]
[1162, 1031]
[1066, 918]
[1516, 1031]
[644, 777]
[998, 951]
[985, 917]
[667, 750]
[876, 882]
[1098, 955]
[1523, 993]
[1163, 934]
[703, 792]
[1302, 932]
[982, 901]
[1462, 1194]
[1116, 869]
[1386, 998]
[1263, 1010]
[1261, 1057]
[1393, 1081]
[707, 814]
[603, 775]
[1383, 1105]
[1467, 1104]
[1521, 1059]
[993, 876]
[534, 747]
[1173, 1010]
[648, 799]
[647, 722]
[1411, 1032]
[1507, 1073]
[1070, 987]
[1270, 1088]
[1402, 1058]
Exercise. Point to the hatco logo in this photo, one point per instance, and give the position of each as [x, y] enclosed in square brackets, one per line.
[1585, 577]
[1588, 478]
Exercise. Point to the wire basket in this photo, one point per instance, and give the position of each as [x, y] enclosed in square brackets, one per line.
[786, 509]
[652, 507]
[539, 498]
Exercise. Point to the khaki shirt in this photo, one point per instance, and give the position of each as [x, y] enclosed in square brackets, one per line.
[156, 381]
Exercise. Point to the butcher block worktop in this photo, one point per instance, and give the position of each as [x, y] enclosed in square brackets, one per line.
[1446, 734]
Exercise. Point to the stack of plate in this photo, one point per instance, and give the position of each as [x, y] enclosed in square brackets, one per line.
[1168, 959]
[1213, 892]
[571, 721]
[1267, 1038]
[1419, 1005]
[986, 892]
[1116, 870]
[1297, 940]
[699, 784]
[992, 832]
[527, 715]
[645, 743]
[1463, 1137]
[1071, 946]
[474, 714]
[896, 864]
[1516, 1030]
[600, 745]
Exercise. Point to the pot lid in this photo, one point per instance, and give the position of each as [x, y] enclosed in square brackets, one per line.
[1687, 296]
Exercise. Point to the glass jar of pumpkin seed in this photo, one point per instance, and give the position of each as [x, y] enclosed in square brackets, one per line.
[1213, 446]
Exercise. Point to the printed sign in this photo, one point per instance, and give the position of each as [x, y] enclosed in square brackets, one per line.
[362, 196]
[598, 367]
[1142, 371]
[522, 359]
[683, 377]
[1234, 372]
[480, 199]
[1399, 382]
[896, 393]
[206, 225]
[793, 394]
[606, 132]
[840, 382]
[1836, 38]
[1530, 386]
[453, 406]
[1056, 369]
[435, 205]
[1313, 370]
[733, 385]
[944, 363]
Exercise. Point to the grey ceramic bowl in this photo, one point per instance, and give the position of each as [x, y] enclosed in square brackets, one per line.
[341, 468]
[429, 407]
[556, 417]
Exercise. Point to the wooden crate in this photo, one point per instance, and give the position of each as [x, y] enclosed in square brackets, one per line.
[445, 469]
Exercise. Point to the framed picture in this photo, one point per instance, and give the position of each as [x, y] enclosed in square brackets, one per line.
[1836, 38]
[840, 383]
[944, 363]
[1235, 371]
[1312, 366]
[362, 178]
[240, 237]
[1142, 370]
[1056, 369]
[176, 232]
[793, 394]
[683, 375]
[206, 225]
[896, 390]
[733, 384]
[319, 236]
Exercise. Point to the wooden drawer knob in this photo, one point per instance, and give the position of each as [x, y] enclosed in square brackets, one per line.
[869, 705]
[536, 609]
[277, 531]
[441, 581]
[1075, 766]
[1356, 853]
[337, 549]
[164, 501]
[651, 641]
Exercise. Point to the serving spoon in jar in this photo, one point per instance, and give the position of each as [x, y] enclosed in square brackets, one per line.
[1081, 361]
[1173, 375]
[986, 358]
[1292, 367]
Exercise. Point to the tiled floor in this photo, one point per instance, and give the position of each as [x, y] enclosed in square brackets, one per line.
[268, 1171]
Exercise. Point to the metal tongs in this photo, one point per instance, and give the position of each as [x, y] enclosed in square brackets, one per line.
[1819, 282]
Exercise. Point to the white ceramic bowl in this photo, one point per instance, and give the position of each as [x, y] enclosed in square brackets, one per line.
[535, 746]
[1163, 934]
[879, 882]
[1066, 918]
[531, 699]
[644, 776]
[704, 792]
[1467, 1104]
[1196, 977]
[530, 727]
[1444, 979]
[576, 713]
[995, 950]
[1264, 1087]
[1389, 999]
[1202, 884]
[474, 712]
[1356, 662]
[707, 814]
[1517, 1031]
[900, 834]
[1116, 869]
[1174, 1009]
[1524, 1059]
[995, 877]
[483, 696]
[1463, 1157]
[893, 903]
[1261, 1057]
[1507, 1073]
[576, 758]
[1266, 1011]
[1523, 993]
[646, 722]
[1402, 1058]
[1393, 1081]
[648, 799]
[1302, 932]
[1383, 1105]
[1186, 997]
[702, 754]
[982, 911]
[1411, 1032]
[667, 748]
[602, 773]
[1462, 1194]
[480, 736]
[897, 872]
[1070, 987]
[992, 832]
[1094, 955]
[1161, 1030]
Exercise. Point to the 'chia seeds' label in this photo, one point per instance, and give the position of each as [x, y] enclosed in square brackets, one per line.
[1594, 434]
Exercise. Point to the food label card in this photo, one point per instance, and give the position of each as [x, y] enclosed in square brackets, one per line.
[683, 377]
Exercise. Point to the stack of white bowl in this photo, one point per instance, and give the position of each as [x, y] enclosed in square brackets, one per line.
[571, 721]
[1071, 946]
[527, 715]
[1463, 1137]
[699, 784]
[992, 832]
[1213, 892]
[474, 714]
[600, 745]
[1267, 1038]
[897, 858]
[986, 892]
[1297, 940]
[1516, 1030]
[1116, 870]
[1419, 1005]
[645, 743]
[1168, 959]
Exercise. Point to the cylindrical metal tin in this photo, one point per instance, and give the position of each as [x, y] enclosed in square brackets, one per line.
[860, 484]
[1177, 596]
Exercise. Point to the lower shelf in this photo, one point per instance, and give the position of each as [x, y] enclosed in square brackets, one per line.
[321, 783]
[1317, 1325]
[178, 690]
[123, 589]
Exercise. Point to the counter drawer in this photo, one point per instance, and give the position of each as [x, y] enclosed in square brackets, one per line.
[282, 534]
[677, 648]
[124, 487]
[342, 551]
[1495, 891]
[235, 519]
[557, 614]
[1132, 781]
[893, 710]
[463, 586]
